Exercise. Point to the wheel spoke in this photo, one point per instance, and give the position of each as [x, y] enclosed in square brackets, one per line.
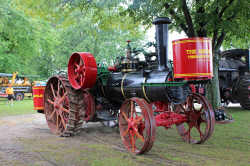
[76, 66]
[64, 109]
[204, 120]
[60, 123]
[63, 97]
[80, 80]
[82, 68]
[63, 122]
[182, 107]
[190, 104]
[52, 89]
[125, 132]
[50, 101]
[138, 119]
[132, 141]
[138, 135]
[199, 130]
[83, 75]
[58, 88]
[51, 115]
[132, 106]
[125, 116]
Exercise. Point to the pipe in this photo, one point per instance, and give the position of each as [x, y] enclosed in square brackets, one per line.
[161, 26]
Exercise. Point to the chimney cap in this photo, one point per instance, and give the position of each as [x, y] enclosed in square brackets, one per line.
[161, 20]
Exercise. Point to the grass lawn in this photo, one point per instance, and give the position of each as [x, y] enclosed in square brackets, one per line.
[18, 108]
[228, 146]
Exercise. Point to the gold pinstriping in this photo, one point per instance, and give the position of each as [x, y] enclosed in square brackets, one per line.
[143, 90]
[123, 78]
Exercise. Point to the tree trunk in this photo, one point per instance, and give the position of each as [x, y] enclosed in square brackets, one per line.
[213, 88]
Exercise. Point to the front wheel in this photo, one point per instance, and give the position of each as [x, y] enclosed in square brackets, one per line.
[137, 125]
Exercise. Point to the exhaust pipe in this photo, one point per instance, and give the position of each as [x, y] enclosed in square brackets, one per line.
[161, 26]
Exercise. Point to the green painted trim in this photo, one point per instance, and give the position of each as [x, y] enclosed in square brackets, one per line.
[103, 74]
[171, 83]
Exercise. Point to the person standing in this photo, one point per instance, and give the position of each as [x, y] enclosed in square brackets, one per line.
[10, 93]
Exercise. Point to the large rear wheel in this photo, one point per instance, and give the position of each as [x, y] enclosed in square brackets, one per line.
[244, 92]
[61, 107]
[89, 103]
[200, 119]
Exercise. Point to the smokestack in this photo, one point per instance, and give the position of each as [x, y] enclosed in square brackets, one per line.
[161, 26]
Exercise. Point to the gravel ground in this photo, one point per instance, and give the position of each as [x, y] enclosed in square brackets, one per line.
[15, 128]
[22, 139]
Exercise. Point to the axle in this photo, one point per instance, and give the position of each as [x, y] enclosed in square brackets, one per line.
[167, 119]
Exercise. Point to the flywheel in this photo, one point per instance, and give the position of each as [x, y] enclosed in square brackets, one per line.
[82, 70]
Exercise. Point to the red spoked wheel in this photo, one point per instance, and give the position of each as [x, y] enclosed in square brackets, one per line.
[200, 119]
[61, 114]
[89, 103]
[137, 125]
[82, 70]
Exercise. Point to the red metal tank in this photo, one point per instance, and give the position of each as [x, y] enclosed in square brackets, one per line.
[38, 92]
[192, 58]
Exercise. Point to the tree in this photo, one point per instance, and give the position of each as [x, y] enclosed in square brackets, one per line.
[221, 20]
[24, 40]
[63, 27]
[101, 37]
[16, 37]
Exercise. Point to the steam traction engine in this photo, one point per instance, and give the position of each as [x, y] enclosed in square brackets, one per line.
[139, 94]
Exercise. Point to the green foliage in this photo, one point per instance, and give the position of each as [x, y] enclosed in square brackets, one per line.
[16, 36]
[97, 28]
[218, 19]
[103, 41]
[37, 37]
[23, 41]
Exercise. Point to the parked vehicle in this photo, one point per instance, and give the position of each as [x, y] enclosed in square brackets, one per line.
[234, 77]
[20, 83]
